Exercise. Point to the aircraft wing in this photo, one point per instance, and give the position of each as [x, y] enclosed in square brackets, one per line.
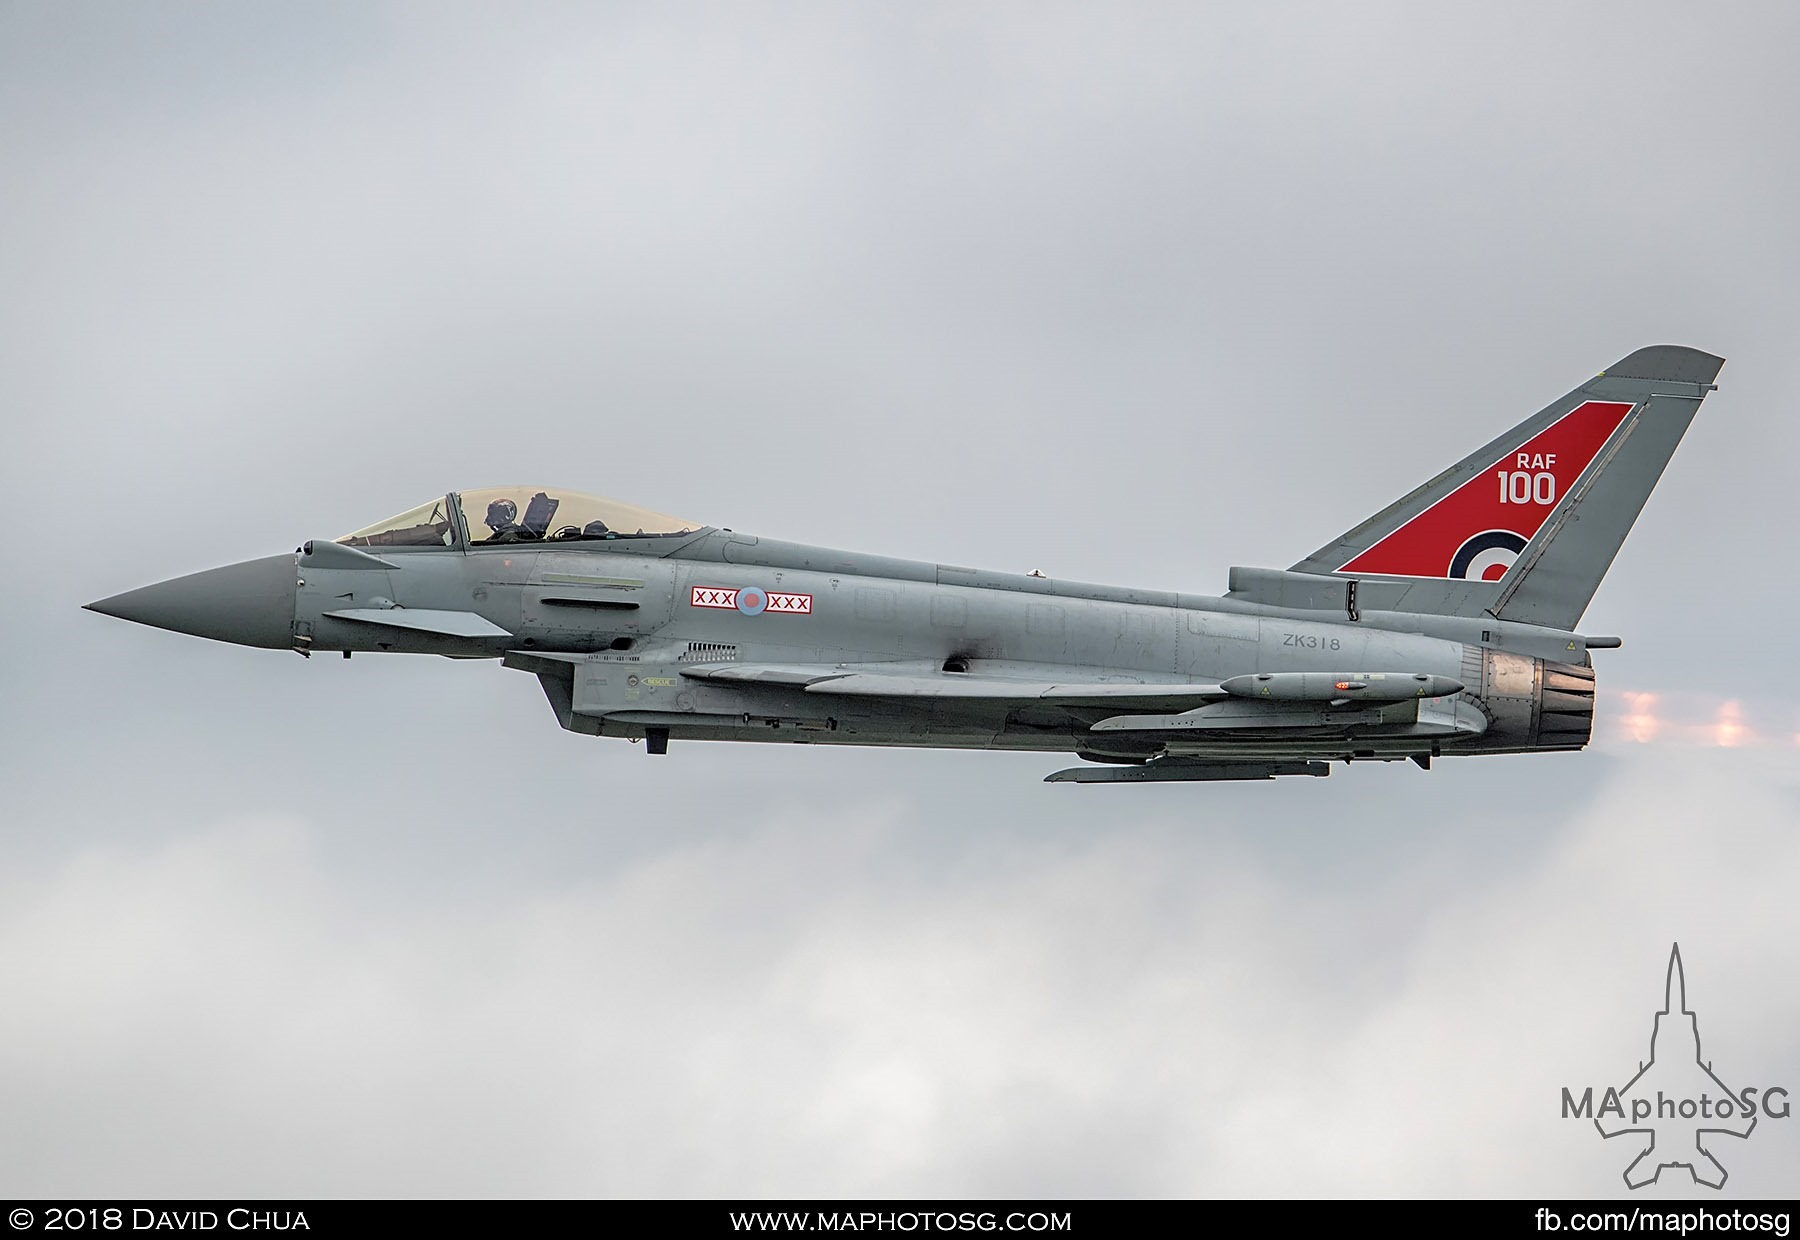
[870, 681]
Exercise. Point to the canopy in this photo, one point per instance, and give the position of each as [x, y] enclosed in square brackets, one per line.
[519, 514]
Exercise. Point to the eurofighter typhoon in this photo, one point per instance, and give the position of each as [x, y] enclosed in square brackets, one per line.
[1447, 623]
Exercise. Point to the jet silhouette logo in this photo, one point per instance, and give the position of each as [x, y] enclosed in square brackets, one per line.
[1676, 1104]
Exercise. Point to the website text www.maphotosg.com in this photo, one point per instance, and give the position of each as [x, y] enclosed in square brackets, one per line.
[902, 1220]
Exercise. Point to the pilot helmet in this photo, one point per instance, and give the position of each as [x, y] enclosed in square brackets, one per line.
[501, 514]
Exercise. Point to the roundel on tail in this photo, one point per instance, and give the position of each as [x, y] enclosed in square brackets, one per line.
[1487, 556]
[1477, 528]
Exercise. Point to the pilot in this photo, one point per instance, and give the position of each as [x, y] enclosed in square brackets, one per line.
[595, 529]
[502, 518]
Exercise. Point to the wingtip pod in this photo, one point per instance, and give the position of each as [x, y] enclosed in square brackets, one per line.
[1669, 363]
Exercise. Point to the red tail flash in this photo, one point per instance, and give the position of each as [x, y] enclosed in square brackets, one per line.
[1478, 530]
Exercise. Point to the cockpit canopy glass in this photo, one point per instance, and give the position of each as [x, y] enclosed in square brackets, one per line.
[428, 525]
[534, 514]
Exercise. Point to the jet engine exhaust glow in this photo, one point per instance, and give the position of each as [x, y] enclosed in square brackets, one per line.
[1696, 720]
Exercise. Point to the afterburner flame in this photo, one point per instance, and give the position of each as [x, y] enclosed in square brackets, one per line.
[1640, 721]
[1729, 730]
[1696, 719]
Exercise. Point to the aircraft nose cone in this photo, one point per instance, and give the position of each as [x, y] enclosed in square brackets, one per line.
[251, 603]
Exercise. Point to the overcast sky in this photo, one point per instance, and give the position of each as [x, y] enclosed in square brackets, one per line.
[1125, 293]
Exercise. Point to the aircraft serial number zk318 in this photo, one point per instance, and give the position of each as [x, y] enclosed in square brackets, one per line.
[1444, 624]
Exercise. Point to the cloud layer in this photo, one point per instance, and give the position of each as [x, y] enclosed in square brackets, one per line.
[802, 1007]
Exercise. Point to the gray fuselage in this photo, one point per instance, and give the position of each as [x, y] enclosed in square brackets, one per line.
[628, 637]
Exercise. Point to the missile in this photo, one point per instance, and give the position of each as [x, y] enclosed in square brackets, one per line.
[1339, 687]
[1176, 770]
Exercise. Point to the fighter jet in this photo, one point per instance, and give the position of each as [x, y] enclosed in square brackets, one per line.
[1444, 624]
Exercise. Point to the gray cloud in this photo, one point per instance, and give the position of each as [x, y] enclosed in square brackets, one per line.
[1127, 296]
[807, 1005]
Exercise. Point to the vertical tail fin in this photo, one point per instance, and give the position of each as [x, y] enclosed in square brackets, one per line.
[1525, 527]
